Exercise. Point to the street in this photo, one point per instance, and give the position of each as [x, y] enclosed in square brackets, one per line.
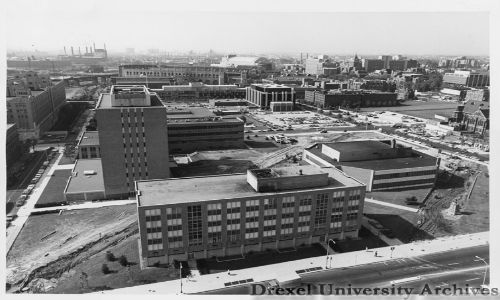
[443, 269]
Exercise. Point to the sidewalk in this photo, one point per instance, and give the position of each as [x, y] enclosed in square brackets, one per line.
[24, 212]
[287, 271]
[85, 205]
[371, 200]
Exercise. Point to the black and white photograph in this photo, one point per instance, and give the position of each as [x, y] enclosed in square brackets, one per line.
[250, 148]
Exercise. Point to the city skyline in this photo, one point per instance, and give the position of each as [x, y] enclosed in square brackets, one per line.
[417, 33]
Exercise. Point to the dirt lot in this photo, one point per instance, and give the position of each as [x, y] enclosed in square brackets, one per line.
[51, 244]
[411, 105]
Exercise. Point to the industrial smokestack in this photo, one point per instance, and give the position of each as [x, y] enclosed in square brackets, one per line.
[65, 50]
[79, 51]
[94, 47]
[72, 53]
[86, 50]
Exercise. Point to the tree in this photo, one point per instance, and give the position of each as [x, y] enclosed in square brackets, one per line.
[123, 260]
[110, 256]
[105, 269]
[244, 119]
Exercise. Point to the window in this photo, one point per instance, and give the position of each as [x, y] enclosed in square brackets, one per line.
[195, 225]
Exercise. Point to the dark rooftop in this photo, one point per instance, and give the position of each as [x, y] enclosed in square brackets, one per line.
[90, 138]
[367, 145]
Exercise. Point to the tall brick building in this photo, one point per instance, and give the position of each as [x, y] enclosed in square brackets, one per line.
[132, 137]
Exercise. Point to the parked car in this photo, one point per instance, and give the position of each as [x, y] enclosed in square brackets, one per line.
[388, 233]
[376, 224]
[20, 202]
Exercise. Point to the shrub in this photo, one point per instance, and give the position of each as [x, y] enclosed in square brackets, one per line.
[110, 256]
[123, 260]
[105, 269]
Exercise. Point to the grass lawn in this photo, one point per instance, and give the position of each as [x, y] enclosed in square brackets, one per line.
[45, 238]
[120, 276]
[259, 259]
[66, 160]
[53, 193]
[398, 197]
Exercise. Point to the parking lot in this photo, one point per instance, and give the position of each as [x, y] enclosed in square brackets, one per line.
[299, 120]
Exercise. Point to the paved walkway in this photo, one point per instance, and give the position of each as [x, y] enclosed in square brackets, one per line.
[65, 167]
[86, 205]
[383, 203]
[25, 210]
[286, 272]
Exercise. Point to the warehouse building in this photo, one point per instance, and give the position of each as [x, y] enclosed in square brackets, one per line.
[223, 215]
[350, 98]
[381, 165]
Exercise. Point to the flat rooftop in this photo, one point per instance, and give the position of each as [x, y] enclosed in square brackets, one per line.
[367, 145]
[231, 186]
[90, 138]
[418, 160]
[86, 183]
[287, 171]
[105, 102]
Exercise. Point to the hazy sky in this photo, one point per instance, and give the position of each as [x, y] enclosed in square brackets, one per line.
[50, 25]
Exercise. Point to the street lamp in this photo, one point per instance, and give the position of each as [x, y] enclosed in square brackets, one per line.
[328, 251]
[180, 274]
[485, 269]
[392, 250]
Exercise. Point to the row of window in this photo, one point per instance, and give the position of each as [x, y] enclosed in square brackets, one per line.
[404, 174]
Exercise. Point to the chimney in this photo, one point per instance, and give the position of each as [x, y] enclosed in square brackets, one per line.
[86, 50]
[94, 46]
[65, 50]
[79, 51]
[72, 53]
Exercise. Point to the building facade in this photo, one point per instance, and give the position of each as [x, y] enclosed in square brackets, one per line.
[199, 90]
[466, 78]
[88, 145]
[132, 138]
[263, 94]
[13, 145]
[199, 129]
[238, 213]
[35, 112]
[350, 98]
[371, 65]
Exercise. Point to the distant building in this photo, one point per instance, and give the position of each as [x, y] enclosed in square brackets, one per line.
[322, 65]
[371, 65]
[234, 214]
[477, 95]
[35, 64]
[378, 164]
[386, 59]
[398, 65]
[234, 61]
[197, 91]
[473, 117]
[35, 112]
[132, 124]
[195, 129]
[466, 78]
[263, 94]
[13, 145]
[350, 98]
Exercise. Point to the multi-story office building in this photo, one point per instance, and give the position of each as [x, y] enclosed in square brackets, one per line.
[35, 112]
[132, 138]
[466, 78]
[199, 90]
[477, 95]
[195, 129]
[381, 165]
[386, 59]
[350, 98]
[263, 94]
[31, 80]
[398, 65]
[224, 215]
[371, 65]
